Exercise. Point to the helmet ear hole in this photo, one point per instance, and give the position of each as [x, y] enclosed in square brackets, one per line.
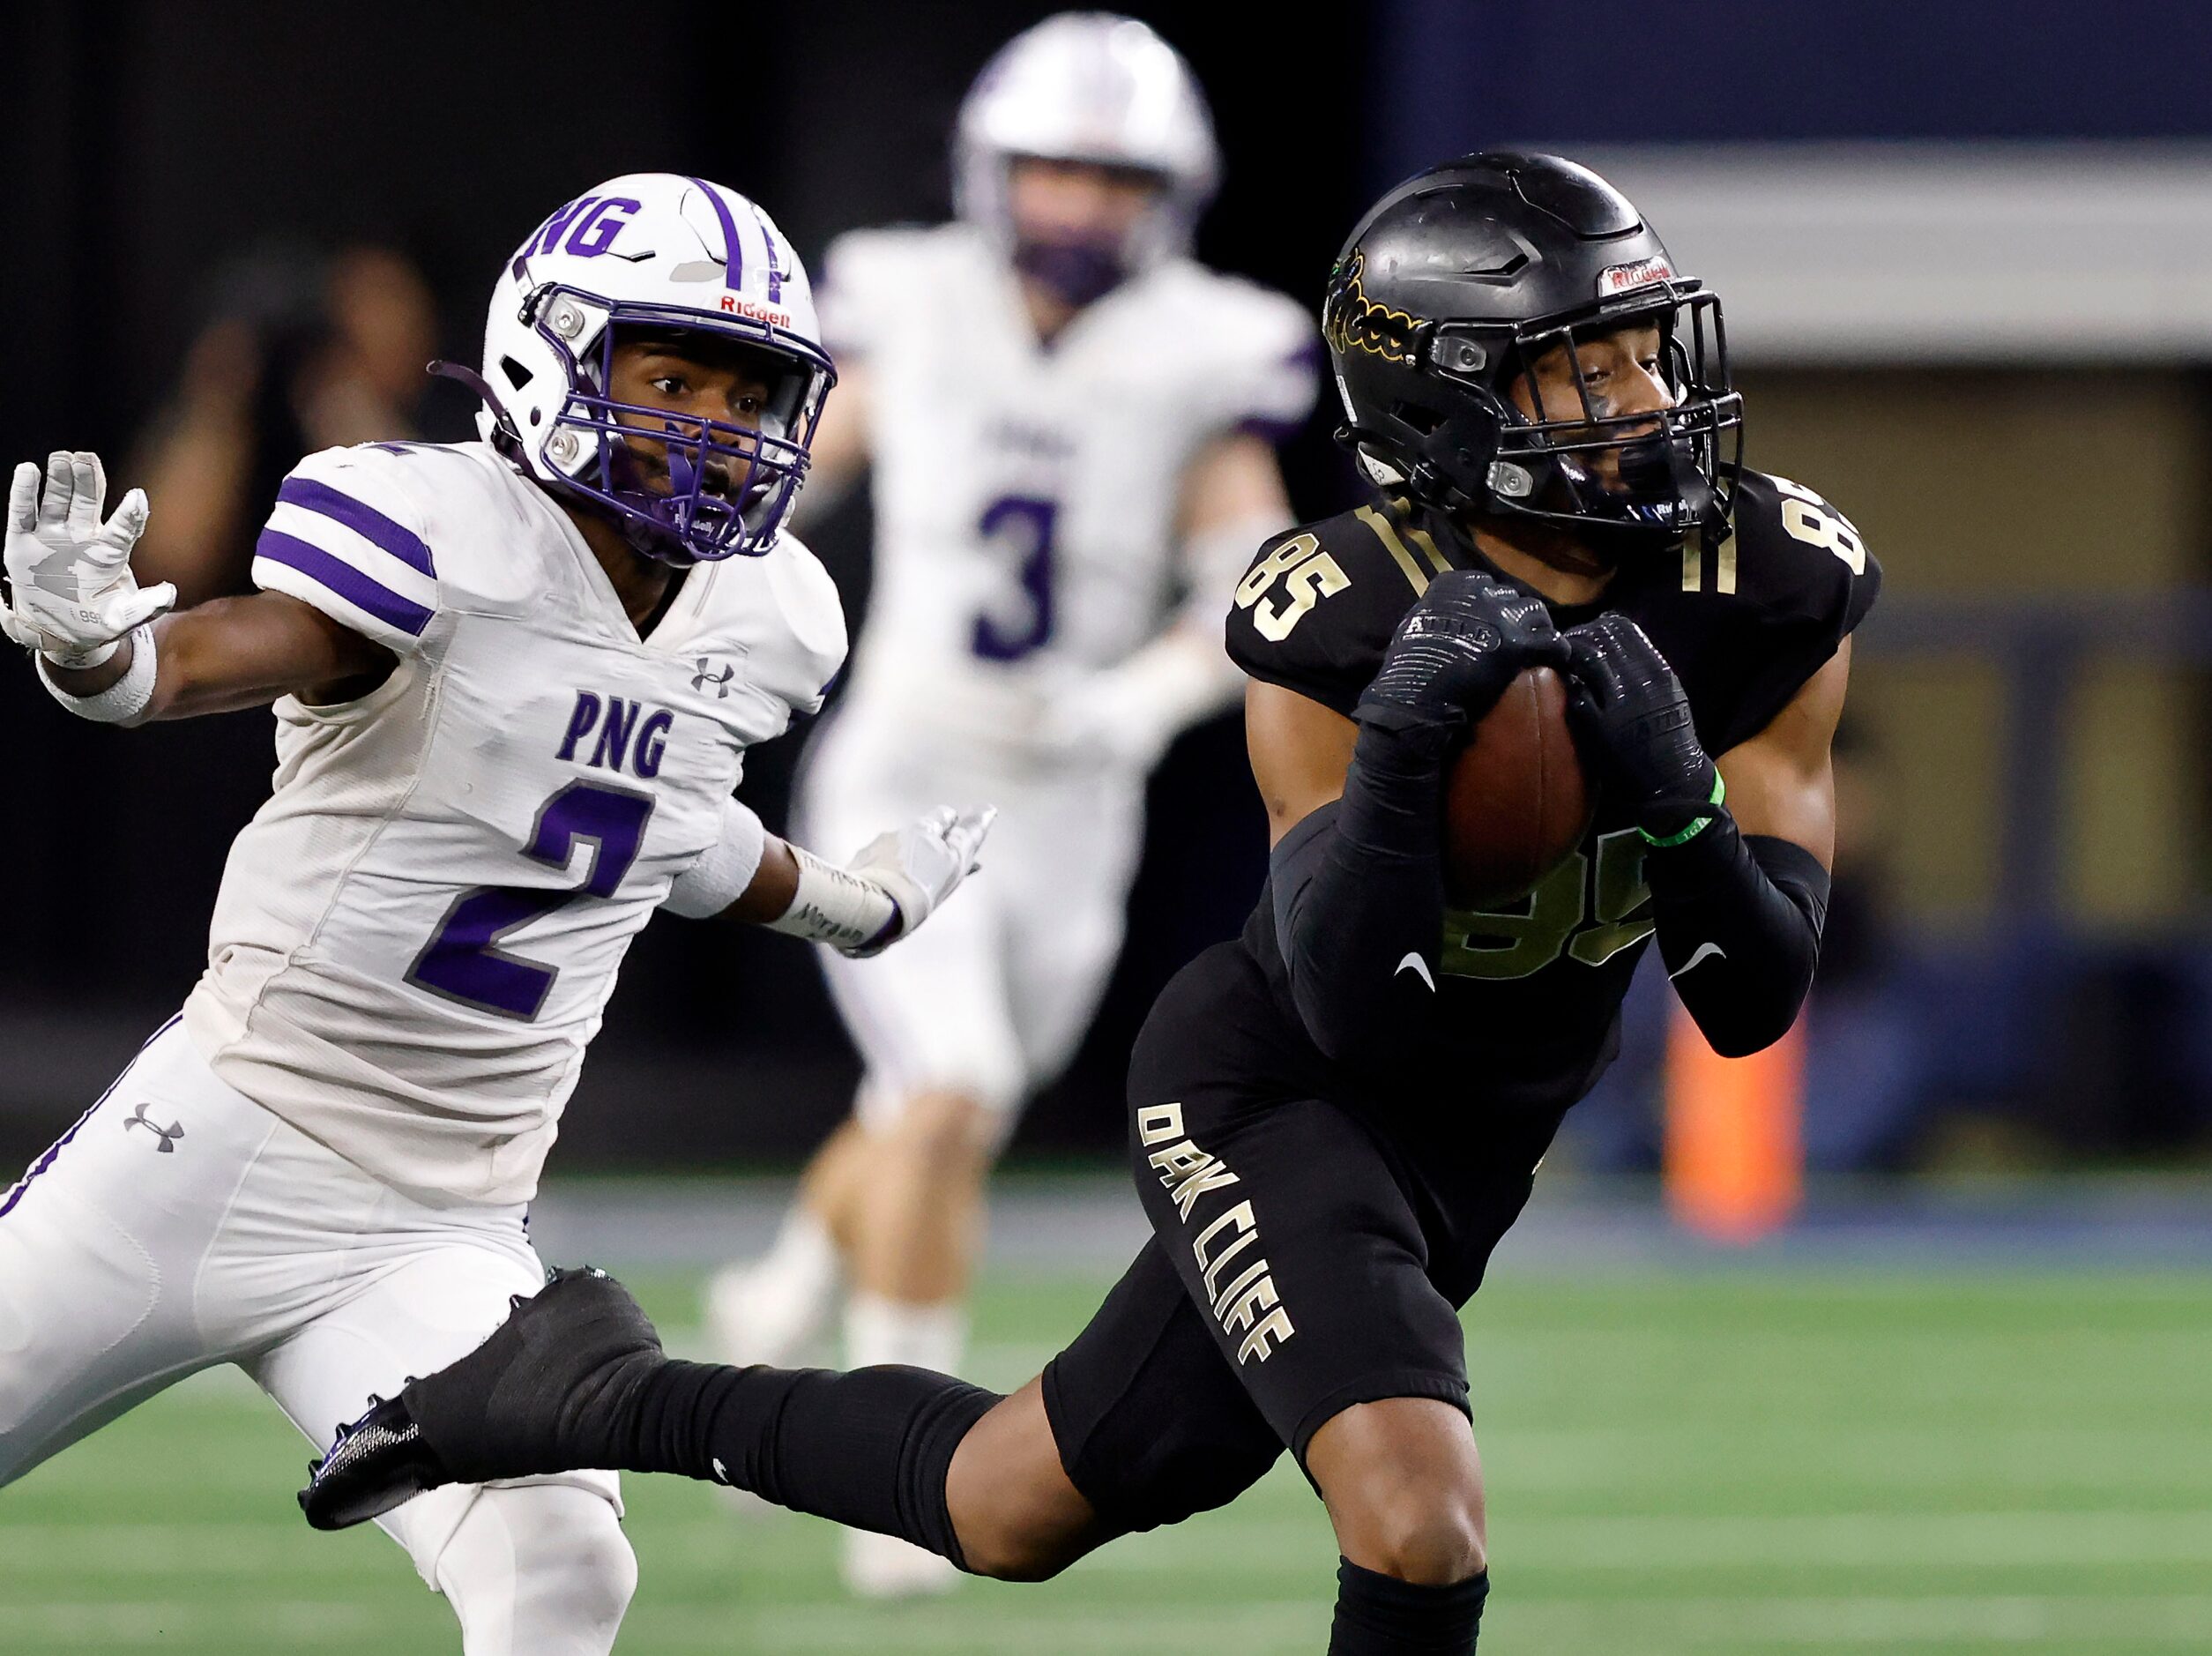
[1379, 471]
[518, 376]
[1421, 418]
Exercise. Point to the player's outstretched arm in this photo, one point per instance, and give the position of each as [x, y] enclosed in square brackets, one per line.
[71, 599]
[1738, 864]
[1357, 881]
[234, 654]
[1233, 499]
[885, 893]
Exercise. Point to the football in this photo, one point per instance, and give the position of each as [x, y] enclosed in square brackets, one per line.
[1516, 800]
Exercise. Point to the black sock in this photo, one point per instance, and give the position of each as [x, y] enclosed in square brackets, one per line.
[1380, 1615]
[869, 1448]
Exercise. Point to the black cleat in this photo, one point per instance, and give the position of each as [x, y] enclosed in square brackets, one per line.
[376, 1463]
[545, 1392]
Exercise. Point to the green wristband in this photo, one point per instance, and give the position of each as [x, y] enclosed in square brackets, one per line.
[1720, 793]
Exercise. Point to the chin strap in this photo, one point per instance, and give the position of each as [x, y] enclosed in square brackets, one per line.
[476, 382]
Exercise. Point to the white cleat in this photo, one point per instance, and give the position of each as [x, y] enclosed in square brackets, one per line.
[758, 1315]
[884, 1567]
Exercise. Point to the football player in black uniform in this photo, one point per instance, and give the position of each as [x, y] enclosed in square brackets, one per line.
[1334, 1118]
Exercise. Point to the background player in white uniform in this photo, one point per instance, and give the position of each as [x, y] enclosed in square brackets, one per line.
[514, 683]
[1069, 421]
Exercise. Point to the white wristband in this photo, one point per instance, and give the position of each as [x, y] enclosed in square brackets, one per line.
[123, 701]
[719, 878]
[85, 660]
[837, 907]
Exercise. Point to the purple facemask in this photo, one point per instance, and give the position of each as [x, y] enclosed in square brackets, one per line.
[1077, 273]
[728, 488]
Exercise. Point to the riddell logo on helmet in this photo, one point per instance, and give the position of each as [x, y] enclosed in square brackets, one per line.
[752, 311]
[1619, 278]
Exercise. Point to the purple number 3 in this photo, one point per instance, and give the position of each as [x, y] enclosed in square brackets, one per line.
[1027, 527]
[463, 961]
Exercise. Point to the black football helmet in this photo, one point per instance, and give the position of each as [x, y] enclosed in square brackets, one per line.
[1456, 282]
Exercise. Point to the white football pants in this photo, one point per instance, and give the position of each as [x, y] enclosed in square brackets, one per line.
[179, 1225]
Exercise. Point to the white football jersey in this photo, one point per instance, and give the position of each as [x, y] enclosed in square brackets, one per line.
[418, 934]
[1026, 496]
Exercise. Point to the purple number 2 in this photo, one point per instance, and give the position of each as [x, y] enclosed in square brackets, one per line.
[463, 962]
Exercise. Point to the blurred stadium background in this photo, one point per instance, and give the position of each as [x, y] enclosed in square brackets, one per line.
[1958, 1404]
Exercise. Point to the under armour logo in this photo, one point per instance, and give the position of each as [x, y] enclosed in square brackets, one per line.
[703, 678]
[169, 1135]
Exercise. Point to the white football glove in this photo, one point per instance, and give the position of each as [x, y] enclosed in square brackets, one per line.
[72, 595]
[921, 865]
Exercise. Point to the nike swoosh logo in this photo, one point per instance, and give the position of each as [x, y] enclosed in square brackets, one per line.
[1420, 969]
[1705, 951]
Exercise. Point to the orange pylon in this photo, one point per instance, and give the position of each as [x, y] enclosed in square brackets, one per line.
[1734, 1164]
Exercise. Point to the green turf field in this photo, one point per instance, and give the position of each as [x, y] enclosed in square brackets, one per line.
[1711, 1462]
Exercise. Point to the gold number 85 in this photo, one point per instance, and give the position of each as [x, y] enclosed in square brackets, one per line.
[1813, 521]
[1308, 575]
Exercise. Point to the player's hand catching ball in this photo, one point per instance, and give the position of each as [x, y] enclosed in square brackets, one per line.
[1627, 698]
[1455, 651]
[72, 595]
[921, 865]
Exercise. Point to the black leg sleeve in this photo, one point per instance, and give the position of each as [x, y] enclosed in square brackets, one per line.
[1358, 888]
[1740, 925]
[1380, 1615]
[870, 1449]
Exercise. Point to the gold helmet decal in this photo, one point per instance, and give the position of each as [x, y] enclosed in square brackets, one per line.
[1352, 321]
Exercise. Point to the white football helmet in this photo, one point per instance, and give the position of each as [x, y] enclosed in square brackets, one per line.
[1089, 86]
[655, 252]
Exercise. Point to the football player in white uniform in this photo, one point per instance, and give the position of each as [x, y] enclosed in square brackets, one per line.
[514, 682]
[1070, 424]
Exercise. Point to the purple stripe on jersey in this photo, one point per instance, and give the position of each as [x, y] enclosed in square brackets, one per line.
[363, 519]
[733, 254]
[59, 1144]
[344, 579]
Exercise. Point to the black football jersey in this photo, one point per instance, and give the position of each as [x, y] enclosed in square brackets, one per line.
[1528, 1000]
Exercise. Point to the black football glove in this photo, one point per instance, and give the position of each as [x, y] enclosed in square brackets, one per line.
[1455, 651]
[1627, 698]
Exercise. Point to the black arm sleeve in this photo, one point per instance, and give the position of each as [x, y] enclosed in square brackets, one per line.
[1738, 925]
[1357, 886]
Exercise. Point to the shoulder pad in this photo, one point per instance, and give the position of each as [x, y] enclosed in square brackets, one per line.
[1317, 604]
[1796, 557]
[1268, 359]
[349, 535]
[866, 274]
[1758, 617]
[814, 613]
